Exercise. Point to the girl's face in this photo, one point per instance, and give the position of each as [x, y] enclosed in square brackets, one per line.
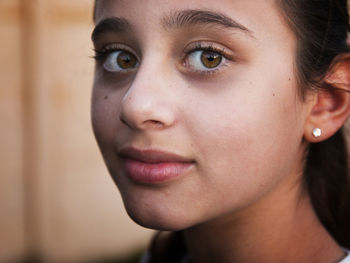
[210, 82]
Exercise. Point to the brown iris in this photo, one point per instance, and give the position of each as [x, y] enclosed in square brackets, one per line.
[211, 59]
[126, 60]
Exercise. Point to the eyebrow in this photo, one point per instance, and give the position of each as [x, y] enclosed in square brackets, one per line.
[177, 19]
[184, 18]
[111, 24]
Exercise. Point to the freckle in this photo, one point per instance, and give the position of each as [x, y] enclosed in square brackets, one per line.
[106, 97]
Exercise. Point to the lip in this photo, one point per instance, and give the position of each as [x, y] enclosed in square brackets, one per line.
[153, 166]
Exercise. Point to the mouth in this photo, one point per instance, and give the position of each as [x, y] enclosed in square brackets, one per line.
[153, 166]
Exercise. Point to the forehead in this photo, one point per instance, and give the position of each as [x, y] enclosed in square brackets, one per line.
[249, 12]
[264, 19]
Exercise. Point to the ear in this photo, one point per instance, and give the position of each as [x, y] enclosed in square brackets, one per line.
[330, 106]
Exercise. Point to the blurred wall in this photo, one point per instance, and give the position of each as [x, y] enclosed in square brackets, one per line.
[56, 198]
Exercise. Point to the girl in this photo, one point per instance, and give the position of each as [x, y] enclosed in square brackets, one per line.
[221, 122]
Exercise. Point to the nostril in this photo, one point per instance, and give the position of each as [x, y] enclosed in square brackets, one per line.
[155, 122]
[145, 123]
[122, 120]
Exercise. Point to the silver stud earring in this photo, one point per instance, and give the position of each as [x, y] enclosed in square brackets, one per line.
[316, 132]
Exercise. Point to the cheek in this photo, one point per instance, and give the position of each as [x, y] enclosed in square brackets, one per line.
[105, 105]
[248, 141]
[105, 108]
[100, 118]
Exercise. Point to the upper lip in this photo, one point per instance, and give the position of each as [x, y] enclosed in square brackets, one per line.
[152, 156]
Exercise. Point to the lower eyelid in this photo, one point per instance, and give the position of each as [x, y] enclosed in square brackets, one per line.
[206, 73]
[214, 70]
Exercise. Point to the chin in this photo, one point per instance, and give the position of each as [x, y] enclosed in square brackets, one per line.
[157, 217]
[157, 221]
[156, 224]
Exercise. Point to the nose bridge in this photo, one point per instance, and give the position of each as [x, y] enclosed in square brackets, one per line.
[147, 105]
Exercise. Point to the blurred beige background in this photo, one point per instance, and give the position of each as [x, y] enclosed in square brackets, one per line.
[56, 198]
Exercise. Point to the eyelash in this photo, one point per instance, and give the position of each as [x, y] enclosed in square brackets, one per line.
[101, 56]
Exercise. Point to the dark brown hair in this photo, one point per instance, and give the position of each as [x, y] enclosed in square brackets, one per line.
[321, 28]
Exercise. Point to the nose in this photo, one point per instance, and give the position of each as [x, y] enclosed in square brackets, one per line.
[148, 105]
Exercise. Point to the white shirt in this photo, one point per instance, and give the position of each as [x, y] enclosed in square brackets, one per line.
[347, 258]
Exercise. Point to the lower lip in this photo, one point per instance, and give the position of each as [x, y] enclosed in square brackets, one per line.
[153, 173]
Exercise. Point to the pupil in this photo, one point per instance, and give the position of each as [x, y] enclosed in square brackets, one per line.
[126, 60]
[211, 59]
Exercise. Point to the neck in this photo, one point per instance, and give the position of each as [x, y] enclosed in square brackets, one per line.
[288, 231]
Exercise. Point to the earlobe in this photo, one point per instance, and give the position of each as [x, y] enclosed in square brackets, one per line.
[331, 107]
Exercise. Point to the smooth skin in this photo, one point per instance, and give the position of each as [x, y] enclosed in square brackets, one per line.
[242, 122]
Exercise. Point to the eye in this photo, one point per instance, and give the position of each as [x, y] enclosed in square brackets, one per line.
[119, 61]
[204, 59]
